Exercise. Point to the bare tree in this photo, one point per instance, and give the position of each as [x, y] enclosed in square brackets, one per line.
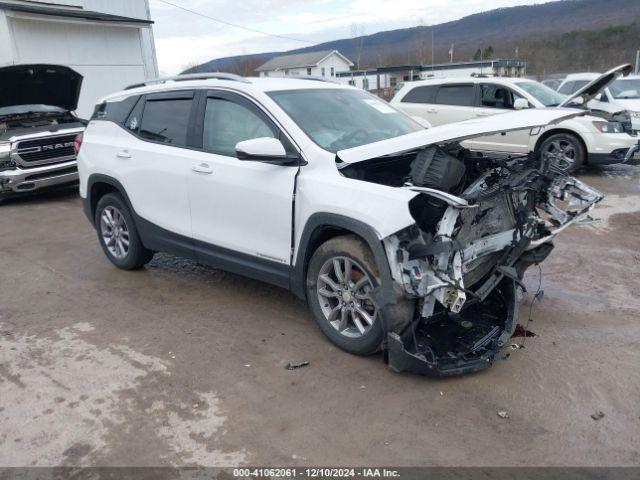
[357, 33]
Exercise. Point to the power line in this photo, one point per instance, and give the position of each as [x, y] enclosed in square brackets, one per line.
[224, 22]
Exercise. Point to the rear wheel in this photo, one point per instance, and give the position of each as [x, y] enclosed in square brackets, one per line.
[564, 150]
[341, 274]
[118, 235]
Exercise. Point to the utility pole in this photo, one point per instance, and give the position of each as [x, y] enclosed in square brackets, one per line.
[451, 54]
[432, 49]
[637, 62]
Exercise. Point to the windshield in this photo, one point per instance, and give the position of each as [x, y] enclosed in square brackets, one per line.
[542, 93]
[338, 119]
[22, 109]
[625, 88]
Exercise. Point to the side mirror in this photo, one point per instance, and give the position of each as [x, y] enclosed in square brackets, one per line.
[520, 104]
[423, 122]
[264, 149]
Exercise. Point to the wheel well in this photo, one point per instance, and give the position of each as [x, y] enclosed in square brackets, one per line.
[556, 131]
[99, 190]
[322, 234]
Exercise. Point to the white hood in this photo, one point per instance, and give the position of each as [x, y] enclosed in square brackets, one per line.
[457, 132]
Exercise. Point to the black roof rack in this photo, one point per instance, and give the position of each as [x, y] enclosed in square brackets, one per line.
[191, 76]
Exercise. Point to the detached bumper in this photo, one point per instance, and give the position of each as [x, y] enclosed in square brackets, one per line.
[26, 180]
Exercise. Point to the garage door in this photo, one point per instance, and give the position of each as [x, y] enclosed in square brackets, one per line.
[109, 57]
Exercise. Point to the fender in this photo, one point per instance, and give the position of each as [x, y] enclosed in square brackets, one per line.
[396, 308]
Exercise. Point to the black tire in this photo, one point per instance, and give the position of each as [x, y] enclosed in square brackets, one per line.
[356, 250]
[137, 255]
[565, 140]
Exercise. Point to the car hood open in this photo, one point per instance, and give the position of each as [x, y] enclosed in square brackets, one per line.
[457, 132]
[53, 85]
[594, 87]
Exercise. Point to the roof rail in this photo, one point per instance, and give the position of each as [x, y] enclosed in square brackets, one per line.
[191, 76]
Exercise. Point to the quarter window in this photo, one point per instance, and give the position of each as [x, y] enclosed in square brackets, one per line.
[460, 95]
[166, 121]
[226, 123]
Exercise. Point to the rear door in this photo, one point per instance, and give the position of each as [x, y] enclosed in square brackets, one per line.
[419, 102]
[454, 102]
[241, 211]
[494, 99]
[153, 162]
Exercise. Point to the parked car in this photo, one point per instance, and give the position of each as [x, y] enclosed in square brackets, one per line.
[552, 83]
[398, 238]
[591, 139]
[620, 96]
[38, 128]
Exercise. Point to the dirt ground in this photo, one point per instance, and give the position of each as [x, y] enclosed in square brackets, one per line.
[180, 364]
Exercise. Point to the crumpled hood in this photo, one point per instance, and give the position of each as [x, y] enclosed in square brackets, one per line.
[53, 85]
[457, 132]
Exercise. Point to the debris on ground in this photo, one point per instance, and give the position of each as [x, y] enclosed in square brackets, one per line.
[598, 415]
[295, 366]
[503, 414]
[522, 332]
[516, 346]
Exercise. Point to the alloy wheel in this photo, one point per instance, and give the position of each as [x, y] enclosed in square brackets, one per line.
[343, 289]
[562, 152]
[115, 232]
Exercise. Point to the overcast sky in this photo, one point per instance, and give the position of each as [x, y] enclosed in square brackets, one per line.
[184, 39]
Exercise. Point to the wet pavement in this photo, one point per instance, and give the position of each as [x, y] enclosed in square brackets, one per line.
[180, 364]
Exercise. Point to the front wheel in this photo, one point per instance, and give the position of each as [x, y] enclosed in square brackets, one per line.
[341, 274]
[118, 235]
[564, 150]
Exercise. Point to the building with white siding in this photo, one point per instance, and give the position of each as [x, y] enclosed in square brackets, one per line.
[109, 42]
[318, 64]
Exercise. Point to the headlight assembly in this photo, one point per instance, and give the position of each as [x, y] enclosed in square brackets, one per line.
[609, 127]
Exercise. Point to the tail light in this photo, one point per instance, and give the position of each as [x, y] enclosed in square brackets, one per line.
[77, 143]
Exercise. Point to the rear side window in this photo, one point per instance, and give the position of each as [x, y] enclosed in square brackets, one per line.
[115, 111]
[166, 120]
[425, 94]
[460, 95]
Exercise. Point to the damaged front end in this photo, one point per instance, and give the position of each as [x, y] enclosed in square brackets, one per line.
[480, 223]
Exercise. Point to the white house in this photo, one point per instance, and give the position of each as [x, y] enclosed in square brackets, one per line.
[319, 64]
[109, 42]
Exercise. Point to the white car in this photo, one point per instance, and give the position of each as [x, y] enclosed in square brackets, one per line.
[622, 95]
[398, 238]
[578, 141]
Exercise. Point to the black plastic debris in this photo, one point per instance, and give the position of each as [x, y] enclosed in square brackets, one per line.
[295, 366]
[598, 416]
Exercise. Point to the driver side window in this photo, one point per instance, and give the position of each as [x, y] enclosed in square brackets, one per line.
[226, 123]
[497, 96]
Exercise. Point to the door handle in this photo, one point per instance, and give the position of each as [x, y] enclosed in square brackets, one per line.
[482, 114]
[203, 168]
[124, 154]
[432, 110]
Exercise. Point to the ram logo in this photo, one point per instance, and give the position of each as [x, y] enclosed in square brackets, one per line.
[56, 146]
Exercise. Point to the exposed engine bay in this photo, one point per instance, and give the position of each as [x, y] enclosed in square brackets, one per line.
[480, 223]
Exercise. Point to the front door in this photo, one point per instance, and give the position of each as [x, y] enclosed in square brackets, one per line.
[493, 100]
[239, 209]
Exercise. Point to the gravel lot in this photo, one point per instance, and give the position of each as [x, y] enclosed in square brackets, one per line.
[180, 364]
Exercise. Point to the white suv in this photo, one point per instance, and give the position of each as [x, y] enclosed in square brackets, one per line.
[584, 140]
[397, 237]
[622, 95]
